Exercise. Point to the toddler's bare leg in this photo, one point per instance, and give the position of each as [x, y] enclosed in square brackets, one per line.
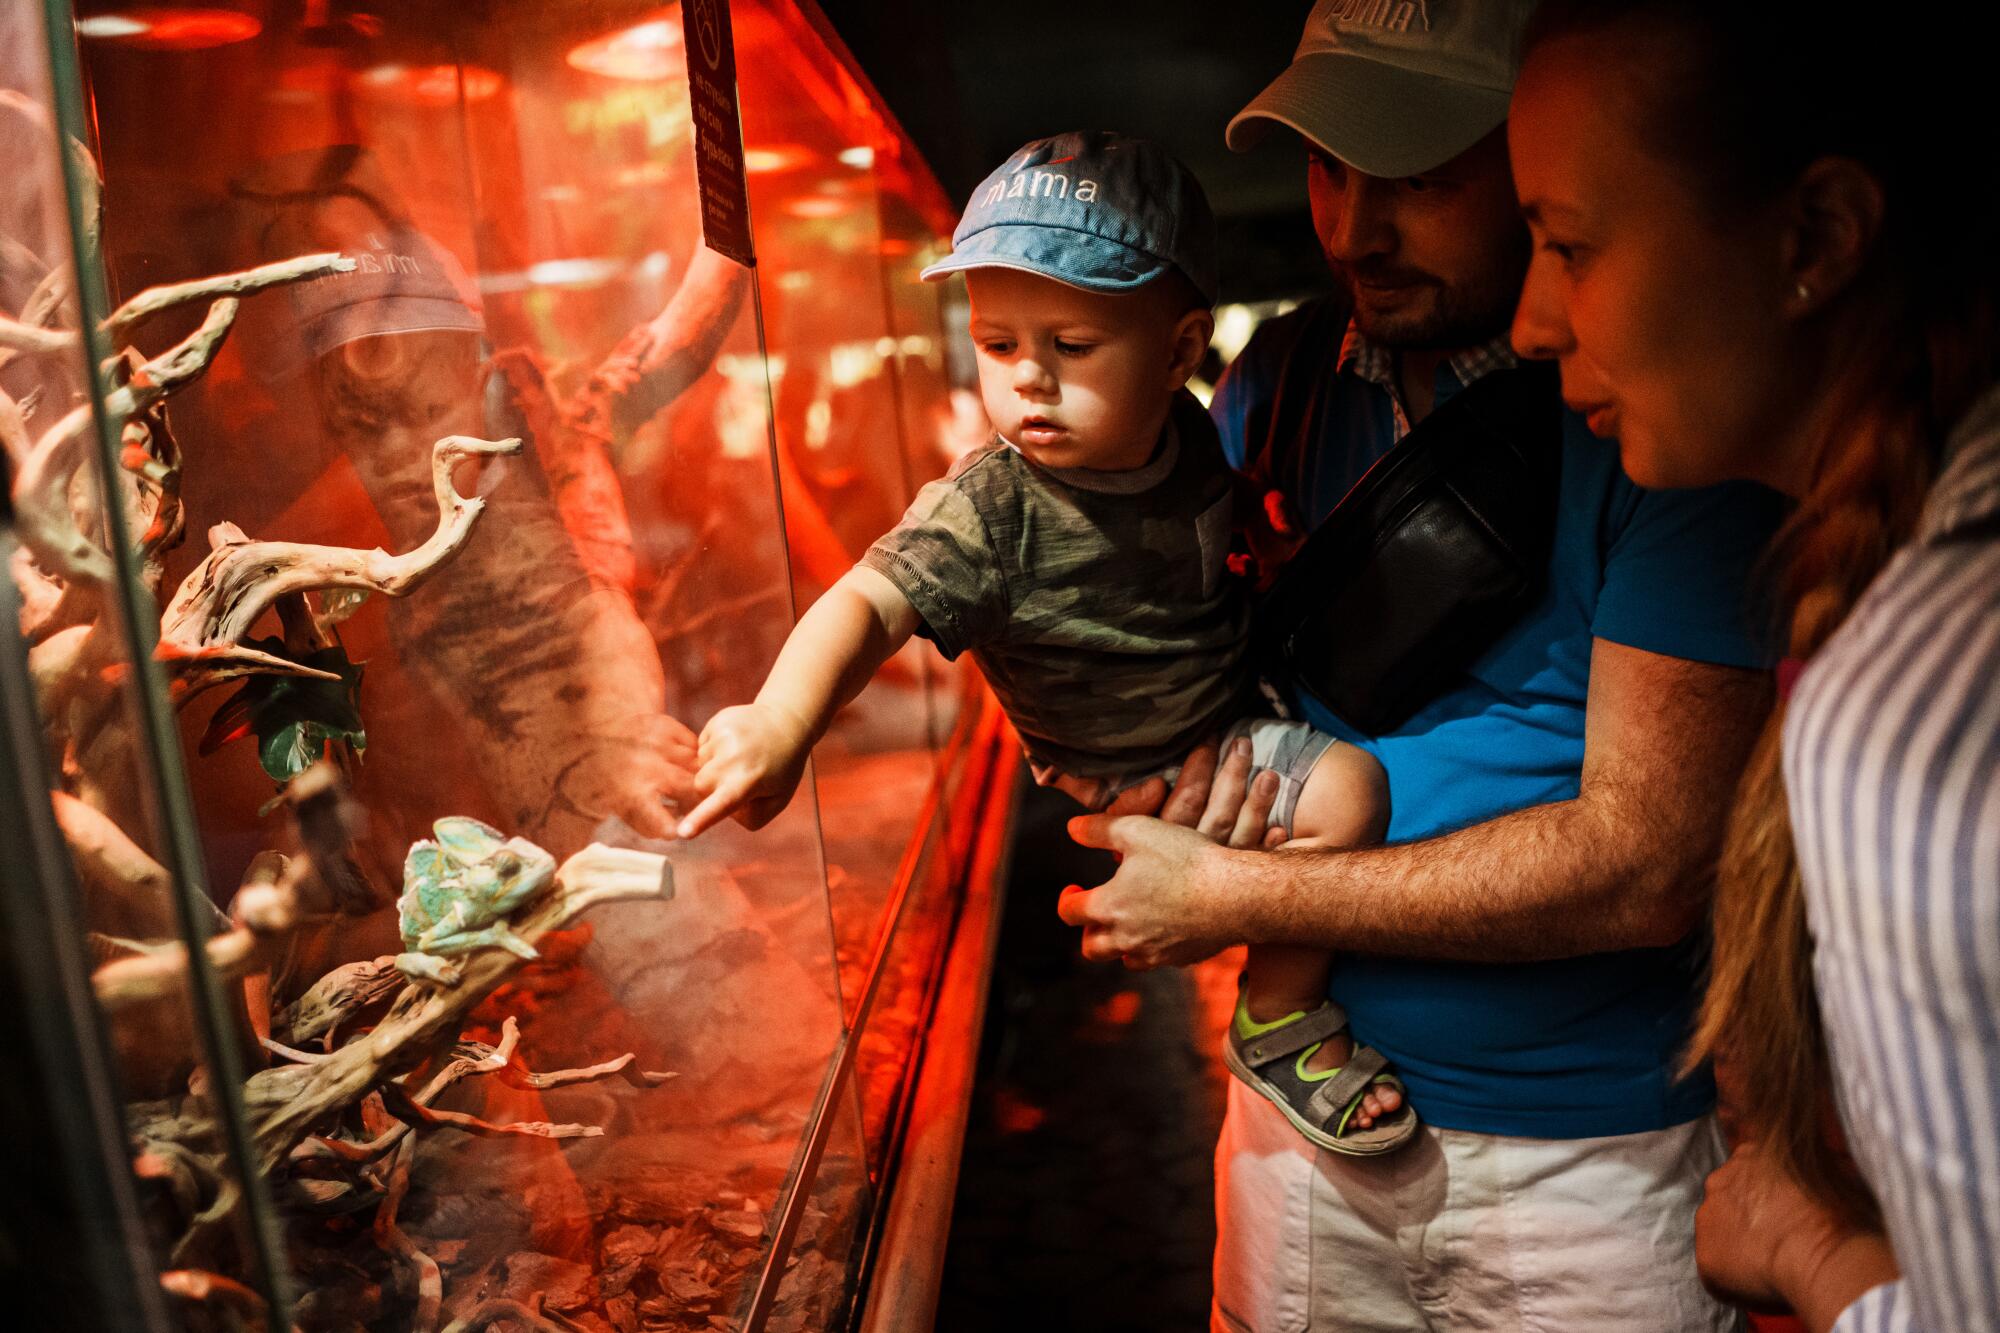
[1344, 803]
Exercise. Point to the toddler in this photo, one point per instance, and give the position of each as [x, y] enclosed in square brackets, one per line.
[1080, 557]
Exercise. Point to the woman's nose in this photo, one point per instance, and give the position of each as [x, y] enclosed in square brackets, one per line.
[1541, 330]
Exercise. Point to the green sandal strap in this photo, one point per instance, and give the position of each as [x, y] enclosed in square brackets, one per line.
[1329, 1020]
[1333, 1099]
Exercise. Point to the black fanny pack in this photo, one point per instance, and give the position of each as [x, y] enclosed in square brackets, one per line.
[1440, 547]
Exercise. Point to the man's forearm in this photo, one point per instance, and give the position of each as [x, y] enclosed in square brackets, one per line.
[1551, 881]
[1626, 864]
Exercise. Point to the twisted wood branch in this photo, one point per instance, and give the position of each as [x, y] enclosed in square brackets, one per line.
[45, 476]
[223, 597]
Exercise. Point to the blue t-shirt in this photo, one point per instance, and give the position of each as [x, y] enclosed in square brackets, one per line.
[1577, 1047]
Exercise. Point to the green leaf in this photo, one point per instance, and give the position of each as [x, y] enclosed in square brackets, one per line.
[296, 720]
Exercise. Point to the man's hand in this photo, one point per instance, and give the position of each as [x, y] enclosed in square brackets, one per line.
[1164, 907]
[751, 758]
[1219, 803]
[1760, 1240]
[1150, 913]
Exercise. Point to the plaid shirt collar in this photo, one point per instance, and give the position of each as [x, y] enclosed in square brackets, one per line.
[1376, 364]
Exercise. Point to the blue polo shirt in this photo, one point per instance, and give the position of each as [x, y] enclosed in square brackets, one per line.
[1577, 1047]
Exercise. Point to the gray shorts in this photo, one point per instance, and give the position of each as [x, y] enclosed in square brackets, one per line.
[1289, 749]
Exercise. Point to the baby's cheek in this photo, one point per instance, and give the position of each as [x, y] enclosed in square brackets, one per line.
[1085, 408]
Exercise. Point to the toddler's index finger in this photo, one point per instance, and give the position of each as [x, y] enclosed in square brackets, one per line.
[729, 792]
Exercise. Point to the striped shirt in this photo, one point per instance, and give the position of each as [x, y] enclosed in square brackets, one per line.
[1892, 759]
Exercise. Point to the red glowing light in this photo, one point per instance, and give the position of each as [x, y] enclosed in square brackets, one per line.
[648, 50]
[1119, 1011]
[1015, 1114]
[159, 28]
[430, 85]
[776, 157]
[816, 206]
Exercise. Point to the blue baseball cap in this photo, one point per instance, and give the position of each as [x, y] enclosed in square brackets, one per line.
[1093, 209]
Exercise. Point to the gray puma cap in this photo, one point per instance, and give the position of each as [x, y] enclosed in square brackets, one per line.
[1394, 87]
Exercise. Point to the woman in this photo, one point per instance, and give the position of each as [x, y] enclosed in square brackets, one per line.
[1756, 259]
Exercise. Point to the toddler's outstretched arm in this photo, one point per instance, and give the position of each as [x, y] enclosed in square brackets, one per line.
[751, 756]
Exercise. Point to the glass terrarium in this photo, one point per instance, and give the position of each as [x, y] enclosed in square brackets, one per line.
[398, 484]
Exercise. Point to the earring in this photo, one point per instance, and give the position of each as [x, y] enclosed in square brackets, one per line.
[1803, 292]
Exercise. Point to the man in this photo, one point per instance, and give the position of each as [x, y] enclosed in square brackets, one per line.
[1525, 948]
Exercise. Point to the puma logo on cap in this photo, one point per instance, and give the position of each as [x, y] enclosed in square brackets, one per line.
[1389, 15]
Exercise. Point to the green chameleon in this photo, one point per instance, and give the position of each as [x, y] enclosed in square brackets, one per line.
[459, 891]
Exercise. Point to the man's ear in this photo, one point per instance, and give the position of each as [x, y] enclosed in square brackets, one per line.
[1836, 219]
[1190, 345]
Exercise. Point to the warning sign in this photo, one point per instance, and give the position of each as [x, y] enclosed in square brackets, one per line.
[718, 129]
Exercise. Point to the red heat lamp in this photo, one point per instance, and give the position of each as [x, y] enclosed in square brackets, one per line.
[164, 28]
[648, 51]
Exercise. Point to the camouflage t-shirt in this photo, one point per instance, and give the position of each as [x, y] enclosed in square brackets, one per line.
[1098, 604]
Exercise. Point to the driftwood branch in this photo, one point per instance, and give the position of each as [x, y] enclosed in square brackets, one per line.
[406, 1108]
[130, 893]
[334, 997]
[222, 598]
[158, 974]
[42, 500]
[151, 456]
[43, 480]
[203, 1287]
[13, 431]
[287, 1104]
[43, 604]
[20, 336]
[293, 1053]
[42, 505]
[391, 1237]
[563, 1078]
[119, 324]
[410, 1110]
[472, 1058]
[47, 300]
[275, 897]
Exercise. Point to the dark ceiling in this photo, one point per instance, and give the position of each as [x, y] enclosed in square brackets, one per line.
[972, 82]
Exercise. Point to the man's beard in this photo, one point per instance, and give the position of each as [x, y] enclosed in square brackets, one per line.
[1435, 315]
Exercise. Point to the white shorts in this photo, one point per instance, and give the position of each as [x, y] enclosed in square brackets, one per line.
[1289, 749]
[1460, 1231]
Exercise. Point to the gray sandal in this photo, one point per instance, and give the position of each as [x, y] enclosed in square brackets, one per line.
[1320, 1107]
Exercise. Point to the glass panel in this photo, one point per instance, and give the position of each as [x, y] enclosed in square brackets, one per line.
[903, 994]
[937, 389]
[66, 564]
[807, 132]
[548, 628]
[900, 1011]
[819, 1276]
